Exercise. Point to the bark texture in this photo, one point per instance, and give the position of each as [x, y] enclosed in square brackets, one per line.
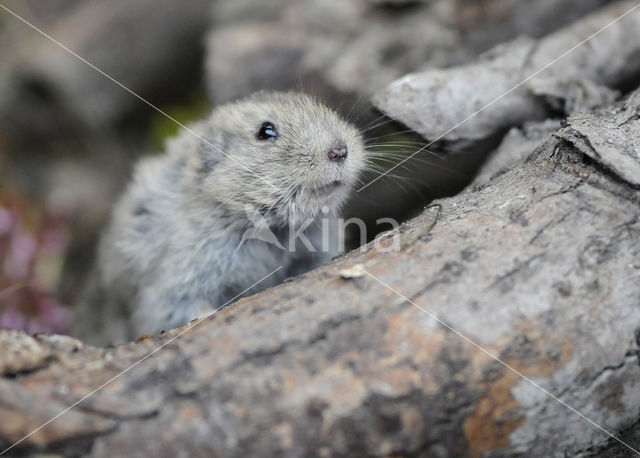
[514, 90]
[539, 265]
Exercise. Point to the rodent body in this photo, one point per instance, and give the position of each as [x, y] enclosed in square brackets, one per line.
[177, 246]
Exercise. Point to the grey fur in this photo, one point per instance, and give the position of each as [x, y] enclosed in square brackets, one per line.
[172, 251]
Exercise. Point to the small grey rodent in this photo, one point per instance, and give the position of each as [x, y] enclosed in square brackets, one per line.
[176, 247]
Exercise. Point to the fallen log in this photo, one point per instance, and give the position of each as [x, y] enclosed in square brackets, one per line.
[511, 327]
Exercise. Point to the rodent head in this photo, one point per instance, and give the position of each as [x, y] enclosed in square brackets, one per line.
[284, 154]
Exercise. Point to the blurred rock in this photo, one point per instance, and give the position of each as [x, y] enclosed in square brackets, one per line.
[152, 47]
[39, 11]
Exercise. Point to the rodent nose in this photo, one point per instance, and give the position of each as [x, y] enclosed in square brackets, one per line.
[338, 154]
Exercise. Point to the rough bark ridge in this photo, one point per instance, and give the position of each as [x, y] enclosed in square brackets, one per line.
[539, 265]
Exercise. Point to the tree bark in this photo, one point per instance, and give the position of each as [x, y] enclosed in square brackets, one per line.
[519, 83]
[539, 267]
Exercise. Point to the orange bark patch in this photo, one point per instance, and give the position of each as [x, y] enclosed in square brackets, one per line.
[535, 352]
[189, 412]
[495, 416]
[409, 337]
[543, 352]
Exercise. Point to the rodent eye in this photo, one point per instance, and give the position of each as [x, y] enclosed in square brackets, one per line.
[267, 131]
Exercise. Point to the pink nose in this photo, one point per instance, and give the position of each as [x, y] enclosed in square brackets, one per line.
[338, 154]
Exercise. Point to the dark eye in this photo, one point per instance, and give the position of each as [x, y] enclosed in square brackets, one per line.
[267, 131]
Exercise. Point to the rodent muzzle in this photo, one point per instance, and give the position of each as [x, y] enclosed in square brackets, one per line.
[338, 154]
